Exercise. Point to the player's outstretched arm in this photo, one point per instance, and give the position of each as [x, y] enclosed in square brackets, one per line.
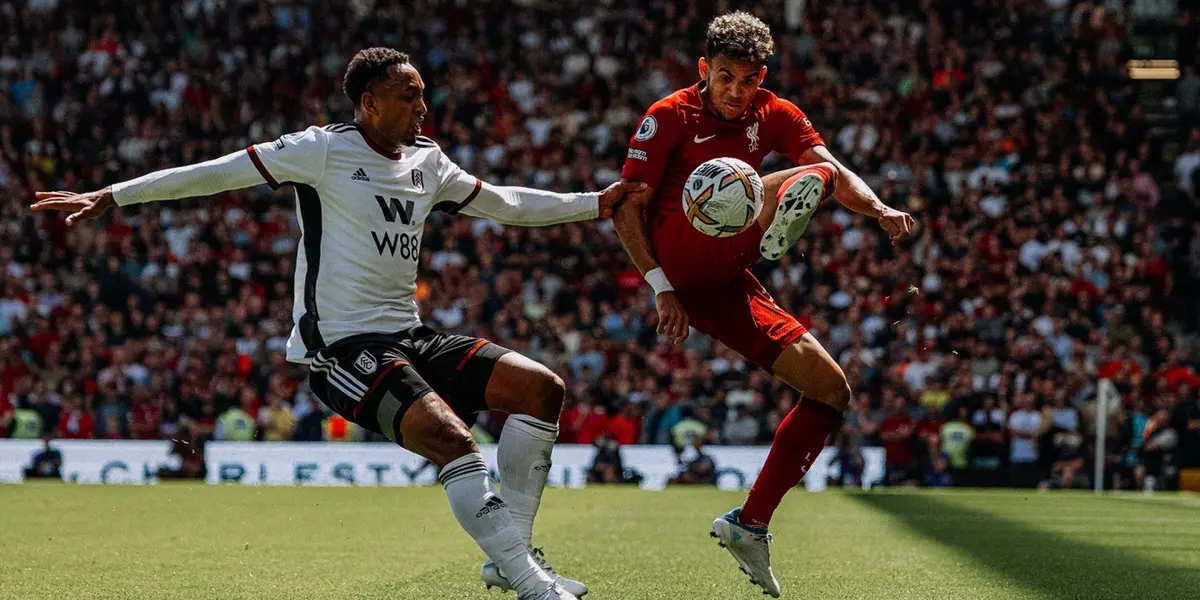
[629, 219]
[854, 193]
[527, 207]
[230, 172]
[294, 158]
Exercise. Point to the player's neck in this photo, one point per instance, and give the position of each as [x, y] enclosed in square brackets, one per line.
[377, 138]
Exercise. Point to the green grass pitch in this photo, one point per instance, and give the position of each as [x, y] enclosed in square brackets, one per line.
[61, 542]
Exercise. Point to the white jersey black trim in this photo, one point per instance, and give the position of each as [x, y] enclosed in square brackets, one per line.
[362, 209]
[453, 208]
[309, 203]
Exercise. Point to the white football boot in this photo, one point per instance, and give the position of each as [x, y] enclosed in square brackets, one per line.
[797, 205]
[492, 578]
[750, 547]
[554, 593]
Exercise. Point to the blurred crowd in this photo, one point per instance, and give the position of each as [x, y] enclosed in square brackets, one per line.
[1056, 245]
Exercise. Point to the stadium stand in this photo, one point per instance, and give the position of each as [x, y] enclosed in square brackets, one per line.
[1059, 238]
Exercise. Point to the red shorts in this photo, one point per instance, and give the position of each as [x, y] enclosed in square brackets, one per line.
[743, 316]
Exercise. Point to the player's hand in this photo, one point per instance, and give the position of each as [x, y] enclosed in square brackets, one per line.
[672, 320]
[81, 206]
[898, 224]
[613, 194]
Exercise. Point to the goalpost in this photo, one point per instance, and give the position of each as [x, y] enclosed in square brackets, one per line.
[1107, 397]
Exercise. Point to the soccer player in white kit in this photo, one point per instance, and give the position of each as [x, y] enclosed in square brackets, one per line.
[363, 192]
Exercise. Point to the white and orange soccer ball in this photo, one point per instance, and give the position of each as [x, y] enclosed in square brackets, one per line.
[722, 197]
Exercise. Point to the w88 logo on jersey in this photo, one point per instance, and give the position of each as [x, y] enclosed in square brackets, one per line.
[404, 245]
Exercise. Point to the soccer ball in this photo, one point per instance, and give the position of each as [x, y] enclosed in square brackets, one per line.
[722, 197]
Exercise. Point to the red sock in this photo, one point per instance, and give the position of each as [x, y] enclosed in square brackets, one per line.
[798, 442]
[826, 172]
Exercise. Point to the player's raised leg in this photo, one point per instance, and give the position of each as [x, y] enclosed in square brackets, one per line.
[430, 428]
[798, 192]
[807, 367]
[533, 396]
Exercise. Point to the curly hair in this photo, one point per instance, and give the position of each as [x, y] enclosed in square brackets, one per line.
[740, 36]
[367, 68]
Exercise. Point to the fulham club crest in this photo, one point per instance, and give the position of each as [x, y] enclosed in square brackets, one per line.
[366, 363]
[418, 179]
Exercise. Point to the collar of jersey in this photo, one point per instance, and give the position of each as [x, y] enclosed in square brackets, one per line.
[380, 150]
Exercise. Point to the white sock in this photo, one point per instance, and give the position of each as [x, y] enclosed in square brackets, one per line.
[524, 459]
[486, 518]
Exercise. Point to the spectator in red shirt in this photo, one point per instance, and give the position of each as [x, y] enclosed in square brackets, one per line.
[626, 426]
[43, 337]
[12, 368]
[1176, 374]
[6, 414]
[75, 422]
[897, 432]
[928, 440]
[144, 415]
[929, 429]
[588, 422]
[948, 75]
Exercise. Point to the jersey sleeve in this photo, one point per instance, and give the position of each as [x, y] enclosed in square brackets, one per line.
[527, 207]
[295, 157]
[456, 187]
[459, 192]
[230, 172]
[795, 134]
[651, 146]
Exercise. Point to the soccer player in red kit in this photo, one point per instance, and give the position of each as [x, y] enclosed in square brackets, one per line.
[705, 282]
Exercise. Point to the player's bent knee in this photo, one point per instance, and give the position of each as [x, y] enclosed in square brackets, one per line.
[453, 442]
[551, 390]
[835, 388]
[834, 391]
[842, 401]
[807, 367]
[524, 387]
[458, 442]
[544, 398]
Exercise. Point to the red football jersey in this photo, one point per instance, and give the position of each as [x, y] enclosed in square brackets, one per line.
[677, 135]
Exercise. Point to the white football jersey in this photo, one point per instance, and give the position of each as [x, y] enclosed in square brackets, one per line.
[362, 210]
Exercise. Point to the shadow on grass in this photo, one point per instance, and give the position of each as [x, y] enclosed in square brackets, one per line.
[1040, 561]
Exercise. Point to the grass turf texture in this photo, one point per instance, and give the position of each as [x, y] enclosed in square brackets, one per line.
[193, 541]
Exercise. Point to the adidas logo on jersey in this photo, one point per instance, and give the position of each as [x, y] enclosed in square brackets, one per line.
[493, 504]
[360, 175]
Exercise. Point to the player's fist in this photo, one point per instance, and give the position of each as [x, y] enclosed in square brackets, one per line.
[81, 206]
[897, 224]
[672, 320]
[613, 194]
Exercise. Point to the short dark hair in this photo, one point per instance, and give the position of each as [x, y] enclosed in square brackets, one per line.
[369, 67]
[740, 36]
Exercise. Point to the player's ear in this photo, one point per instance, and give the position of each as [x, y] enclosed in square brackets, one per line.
[368, 103]
[702, 65]
[762, 74]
